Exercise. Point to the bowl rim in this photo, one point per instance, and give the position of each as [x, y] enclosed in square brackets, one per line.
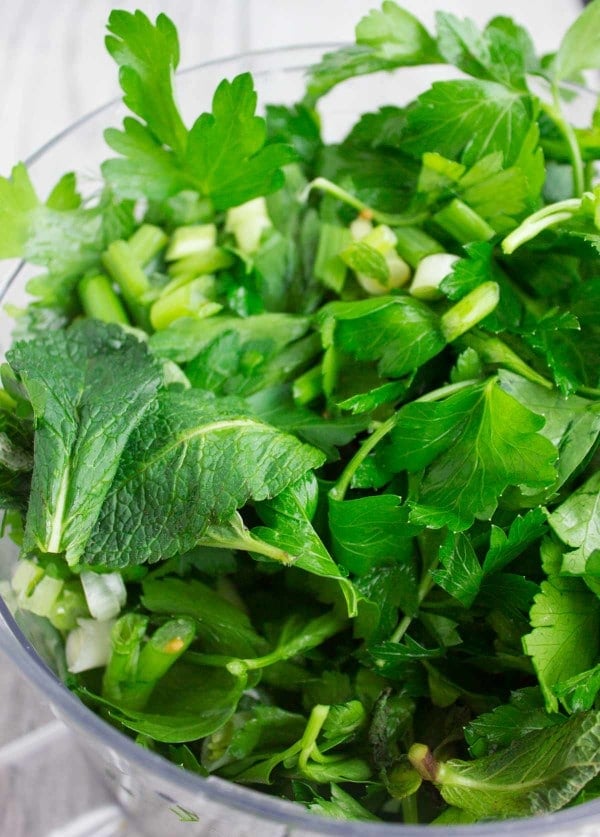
[243, 799]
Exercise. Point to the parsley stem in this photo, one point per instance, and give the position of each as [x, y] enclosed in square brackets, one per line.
[338, 492]
[329, 188]
[444, 392]
[555, 112]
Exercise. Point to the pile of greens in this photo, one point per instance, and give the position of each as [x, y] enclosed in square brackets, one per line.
[299, 441]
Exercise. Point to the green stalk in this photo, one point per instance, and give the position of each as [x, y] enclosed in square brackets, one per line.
[555, 112]
[537, 222]
[99, 300]
[463, 223]
[493, 350]
[317, 718]
[197, 264]
[338, 492]
[308, 386]
[122, 266]
[470, 310]
[187, 301]
[234, 535]
[413, 245]
[157, 656]
[6, 402]
[127, 635]
[147, 242]
[321, 184]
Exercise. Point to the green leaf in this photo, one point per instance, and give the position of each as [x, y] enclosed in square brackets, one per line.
[505, 547]
[580, 48]
[222, 627]
[341, 806]
[190, 464]
[224, 156]
[399, 332]
[370, 532]
[386, 38]
[147, 56]
[570, 422]
[470, 447]
[579, 693]
[62, 236]
[188, 703]
[366, 260]
[577, 523]
[470, 271]
[89, 387]
[502, 52]
[467, 120]
[461, 574]
[497, 729]
[226, 153]
[288, 527]
[186, 338]
[538, 773]
[563, 612]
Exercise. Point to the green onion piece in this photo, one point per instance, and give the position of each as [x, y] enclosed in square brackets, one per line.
[147, 242]
[192, 240]
[187, 301]
[413, 245]
[99, 300]
[463, 223]
[470, 310]
[126, 639]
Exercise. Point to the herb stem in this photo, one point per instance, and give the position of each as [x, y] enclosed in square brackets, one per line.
[410, 812]
[338, 492]
[555, 112]
[323, 185]
[317, 718]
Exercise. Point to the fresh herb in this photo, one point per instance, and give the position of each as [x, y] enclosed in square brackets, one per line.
[299, 440]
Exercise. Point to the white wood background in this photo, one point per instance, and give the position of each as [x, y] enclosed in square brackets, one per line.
[54, 69]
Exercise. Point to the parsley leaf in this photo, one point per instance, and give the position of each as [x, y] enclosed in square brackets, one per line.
[577, 523]
[563, 612]
[580, 48]
[469, 448]
[224, 156]
[467, 120]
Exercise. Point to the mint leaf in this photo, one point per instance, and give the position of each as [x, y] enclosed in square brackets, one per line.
[89, 387]
[538, 773]
[470, 448]
[191, 463]
[147, 56]
[467, 120]
[580, 48]
[563, 612]
[577, 524]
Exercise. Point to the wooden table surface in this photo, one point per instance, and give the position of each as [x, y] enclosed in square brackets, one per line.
[54, 69]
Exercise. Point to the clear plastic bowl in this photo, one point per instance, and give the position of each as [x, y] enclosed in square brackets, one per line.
[158, 797]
